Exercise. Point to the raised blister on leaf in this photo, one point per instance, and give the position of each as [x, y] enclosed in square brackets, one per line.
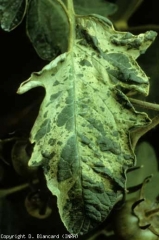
[81, 135]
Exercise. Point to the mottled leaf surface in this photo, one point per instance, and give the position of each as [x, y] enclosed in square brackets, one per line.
[97, 6]
[47, 28]
[81, 134]
[120, 49]
[12, 13]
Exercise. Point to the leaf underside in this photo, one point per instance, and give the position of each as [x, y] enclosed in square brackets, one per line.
[81, 134]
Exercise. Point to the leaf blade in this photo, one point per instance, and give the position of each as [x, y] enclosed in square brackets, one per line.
[81, 134]
[12, 13]
[47, 28]
[100, 7]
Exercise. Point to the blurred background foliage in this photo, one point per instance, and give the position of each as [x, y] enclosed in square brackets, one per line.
[18, 112]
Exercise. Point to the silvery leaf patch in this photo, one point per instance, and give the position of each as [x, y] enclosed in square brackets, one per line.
[81, 135]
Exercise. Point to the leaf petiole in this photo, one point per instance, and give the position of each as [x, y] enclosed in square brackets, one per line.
[148, 105]
[71, 18]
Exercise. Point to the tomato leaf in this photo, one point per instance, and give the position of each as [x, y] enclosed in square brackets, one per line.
[47, 28]
[81, 134]
[97, 6]
[12, 13]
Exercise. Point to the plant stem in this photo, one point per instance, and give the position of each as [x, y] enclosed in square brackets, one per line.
[8, 191]
[143, 104]
[71, 17]
[126, 10]
[63, 6]
[5, 192]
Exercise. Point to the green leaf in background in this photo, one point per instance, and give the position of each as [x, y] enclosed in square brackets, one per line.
[96, 6]
[47, 28]
[12, 13]
[81, 134]
[146, 157]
